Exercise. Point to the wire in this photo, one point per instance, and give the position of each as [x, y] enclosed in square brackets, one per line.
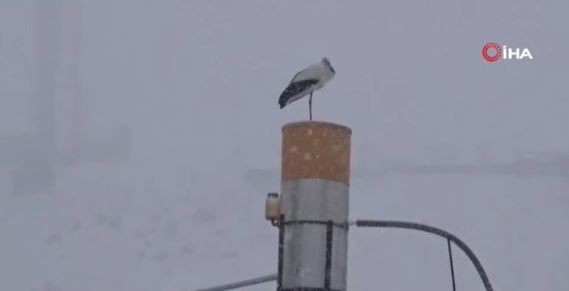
[436, 231]
[328, 263]
[280, 262]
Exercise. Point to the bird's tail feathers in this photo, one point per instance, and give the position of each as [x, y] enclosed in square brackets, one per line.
[282, 103]
[283, 100]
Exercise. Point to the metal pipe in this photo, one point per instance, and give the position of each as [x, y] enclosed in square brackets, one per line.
[437, 231]
[315, 198]
[250, 282]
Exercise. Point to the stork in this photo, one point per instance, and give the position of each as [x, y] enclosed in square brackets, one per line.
[306, 82]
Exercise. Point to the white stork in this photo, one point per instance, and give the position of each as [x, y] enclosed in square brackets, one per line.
[306, 82]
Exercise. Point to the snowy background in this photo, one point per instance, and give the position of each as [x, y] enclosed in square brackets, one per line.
[196, 83]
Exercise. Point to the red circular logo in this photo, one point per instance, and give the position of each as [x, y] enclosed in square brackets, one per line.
[491, 52]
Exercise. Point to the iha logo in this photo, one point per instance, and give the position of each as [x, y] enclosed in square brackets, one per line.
[493, 52]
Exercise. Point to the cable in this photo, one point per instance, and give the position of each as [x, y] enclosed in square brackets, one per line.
[436, 231]
[280, 253]
[328, 263]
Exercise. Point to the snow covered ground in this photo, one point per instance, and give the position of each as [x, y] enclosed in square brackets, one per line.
[108, 232]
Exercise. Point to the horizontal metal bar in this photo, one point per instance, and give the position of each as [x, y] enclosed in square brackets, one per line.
[321, 222]
[250, 282]
[308, 289]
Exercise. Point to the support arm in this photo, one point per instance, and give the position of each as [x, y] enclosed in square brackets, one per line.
[436, 231]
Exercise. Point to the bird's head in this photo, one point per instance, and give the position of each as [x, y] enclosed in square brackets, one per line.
[326, 62]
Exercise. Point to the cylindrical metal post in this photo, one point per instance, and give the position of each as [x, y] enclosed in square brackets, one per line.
[315, 203]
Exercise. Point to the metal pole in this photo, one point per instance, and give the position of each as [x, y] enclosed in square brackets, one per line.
[36, 171]
[315, 203]
[240, 284]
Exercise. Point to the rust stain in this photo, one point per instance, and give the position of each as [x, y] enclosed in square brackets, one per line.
[316, 150]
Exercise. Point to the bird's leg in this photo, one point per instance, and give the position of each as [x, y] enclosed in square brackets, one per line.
[310, 106]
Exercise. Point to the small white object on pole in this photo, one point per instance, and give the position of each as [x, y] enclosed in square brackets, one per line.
[272, 208]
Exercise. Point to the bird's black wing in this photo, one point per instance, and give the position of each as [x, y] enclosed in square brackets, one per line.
[294, 88]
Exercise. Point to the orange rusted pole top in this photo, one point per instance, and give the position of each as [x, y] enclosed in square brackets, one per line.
[316, 150]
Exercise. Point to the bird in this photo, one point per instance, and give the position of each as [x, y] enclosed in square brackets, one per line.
[306, 82]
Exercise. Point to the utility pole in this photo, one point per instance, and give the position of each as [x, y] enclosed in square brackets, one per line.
[315, 182]
[34, 169]
[34, 156]
[312, 214]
